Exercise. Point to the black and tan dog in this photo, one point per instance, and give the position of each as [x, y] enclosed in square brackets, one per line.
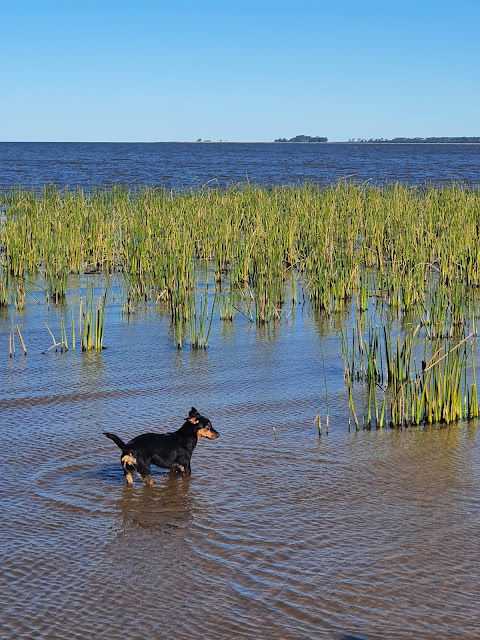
[167, 450]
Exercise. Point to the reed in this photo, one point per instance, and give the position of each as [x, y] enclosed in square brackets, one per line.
[63, 336]
[440, 391]
[200, 321]
[4, 287]
[72, 325]
[408, 254]
[11, 343]
[339, 241]
[326, 393]
[91, 320]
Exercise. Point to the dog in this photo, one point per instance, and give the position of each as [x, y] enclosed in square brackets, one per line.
[167, 450]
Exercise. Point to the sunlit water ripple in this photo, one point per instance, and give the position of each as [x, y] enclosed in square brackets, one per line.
[277, 534]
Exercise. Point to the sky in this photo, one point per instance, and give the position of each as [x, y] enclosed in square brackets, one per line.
[251, 70]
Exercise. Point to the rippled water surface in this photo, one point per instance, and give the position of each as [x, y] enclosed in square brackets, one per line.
[181, 165]
[277, 534]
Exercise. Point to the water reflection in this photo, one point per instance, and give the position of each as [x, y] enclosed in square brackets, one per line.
[164, 509]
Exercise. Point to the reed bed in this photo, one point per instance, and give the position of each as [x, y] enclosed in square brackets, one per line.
[410, 380]
[338, 241]
[410, 253]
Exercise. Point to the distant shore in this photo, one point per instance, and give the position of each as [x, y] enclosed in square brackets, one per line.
[265, 142]
[330, 142]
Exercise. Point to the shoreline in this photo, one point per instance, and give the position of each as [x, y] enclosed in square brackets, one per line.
[223, 142]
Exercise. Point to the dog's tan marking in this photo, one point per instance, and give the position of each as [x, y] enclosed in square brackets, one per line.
[206, 433]
[193, 420]
[128, 458]
[148, 481]
[128, 461]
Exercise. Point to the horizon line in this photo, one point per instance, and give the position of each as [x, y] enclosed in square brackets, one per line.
[351, 141]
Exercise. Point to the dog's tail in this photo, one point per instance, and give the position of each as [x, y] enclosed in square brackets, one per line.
[117, 441]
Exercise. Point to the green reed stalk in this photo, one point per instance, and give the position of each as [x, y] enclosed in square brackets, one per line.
[326, 387]
[72, 326]
[63, 336]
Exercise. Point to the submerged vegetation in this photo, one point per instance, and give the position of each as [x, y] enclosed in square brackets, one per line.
[410, 256]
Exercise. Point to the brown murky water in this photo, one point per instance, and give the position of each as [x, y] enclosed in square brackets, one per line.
[278, 534]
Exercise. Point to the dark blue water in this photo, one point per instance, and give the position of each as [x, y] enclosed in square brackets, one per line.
[183, 165]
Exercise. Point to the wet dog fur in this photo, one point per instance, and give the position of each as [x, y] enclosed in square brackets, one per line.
[167, 450]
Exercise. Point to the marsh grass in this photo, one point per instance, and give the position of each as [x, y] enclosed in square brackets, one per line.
[440, 387]
[200, 321]
[408, 254]
[91, 320]
[336, 242]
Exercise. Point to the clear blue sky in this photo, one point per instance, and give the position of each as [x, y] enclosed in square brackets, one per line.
[252, 70]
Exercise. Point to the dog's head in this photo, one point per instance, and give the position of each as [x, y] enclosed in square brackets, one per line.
[203, 426]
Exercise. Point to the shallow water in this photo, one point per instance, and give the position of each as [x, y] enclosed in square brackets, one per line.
[277, 534]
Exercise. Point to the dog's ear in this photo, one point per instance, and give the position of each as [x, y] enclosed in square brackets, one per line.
[193, 412]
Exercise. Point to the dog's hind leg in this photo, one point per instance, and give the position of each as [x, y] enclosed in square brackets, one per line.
[186, 469]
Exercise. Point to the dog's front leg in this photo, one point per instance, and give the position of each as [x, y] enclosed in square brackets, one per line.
[144, 471]
[129, 463]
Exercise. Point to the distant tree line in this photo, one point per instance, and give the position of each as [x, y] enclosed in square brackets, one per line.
[460, 140]
[303, 139]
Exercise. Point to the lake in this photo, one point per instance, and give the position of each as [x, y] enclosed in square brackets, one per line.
[278, 533]
[185, 165]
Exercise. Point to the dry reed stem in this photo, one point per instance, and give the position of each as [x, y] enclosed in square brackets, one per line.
[21, 339]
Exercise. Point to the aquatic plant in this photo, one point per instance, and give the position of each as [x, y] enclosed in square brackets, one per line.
[198, 319]
[340, 241]
[91, 320]
[439, 391]
[408, 254]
